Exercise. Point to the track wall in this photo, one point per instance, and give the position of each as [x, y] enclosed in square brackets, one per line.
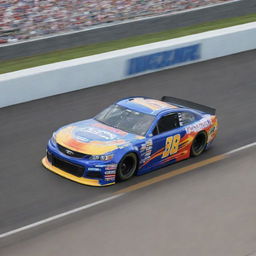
[43, 81]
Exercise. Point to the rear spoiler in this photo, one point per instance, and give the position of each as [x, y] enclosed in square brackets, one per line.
[189, 104]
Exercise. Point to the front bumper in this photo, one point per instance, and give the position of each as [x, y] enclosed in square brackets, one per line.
[82, 180]
[106, 170]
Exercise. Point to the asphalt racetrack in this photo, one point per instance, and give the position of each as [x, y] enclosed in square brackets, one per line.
[30, 193]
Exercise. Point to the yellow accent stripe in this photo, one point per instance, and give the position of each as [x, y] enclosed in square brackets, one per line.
[171, 174]
[81, 180]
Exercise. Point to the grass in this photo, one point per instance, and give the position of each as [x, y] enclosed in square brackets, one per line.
[42, 59]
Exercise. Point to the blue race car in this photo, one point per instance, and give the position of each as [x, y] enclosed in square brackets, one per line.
[133, 136]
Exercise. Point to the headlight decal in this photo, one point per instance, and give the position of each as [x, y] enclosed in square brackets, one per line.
[102, 157]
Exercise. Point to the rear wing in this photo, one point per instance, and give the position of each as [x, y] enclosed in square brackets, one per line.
[189, 104]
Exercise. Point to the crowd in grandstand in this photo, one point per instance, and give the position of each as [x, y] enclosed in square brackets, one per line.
[24, 19]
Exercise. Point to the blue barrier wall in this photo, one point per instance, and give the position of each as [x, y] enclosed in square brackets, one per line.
[164, 59]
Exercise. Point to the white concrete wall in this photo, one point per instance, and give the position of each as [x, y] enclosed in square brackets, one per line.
[52, 79]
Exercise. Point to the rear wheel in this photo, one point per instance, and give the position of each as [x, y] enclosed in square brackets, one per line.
[126, 167]
[199, 144]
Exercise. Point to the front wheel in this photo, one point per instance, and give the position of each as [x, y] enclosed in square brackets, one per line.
[126, 167]
[199, 144]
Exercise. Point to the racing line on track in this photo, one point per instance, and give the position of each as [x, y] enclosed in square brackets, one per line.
[130, 189]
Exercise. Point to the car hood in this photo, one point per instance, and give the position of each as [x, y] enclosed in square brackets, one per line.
[93, 138]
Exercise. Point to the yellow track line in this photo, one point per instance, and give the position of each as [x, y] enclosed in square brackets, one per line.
[172, 174]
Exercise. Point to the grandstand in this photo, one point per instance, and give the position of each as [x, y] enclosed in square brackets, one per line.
[26, 19]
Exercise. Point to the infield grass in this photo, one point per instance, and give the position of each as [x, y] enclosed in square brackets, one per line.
[67, 54]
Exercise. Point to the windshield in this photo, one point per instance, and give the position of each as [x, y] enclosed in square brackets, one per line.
[126, 119]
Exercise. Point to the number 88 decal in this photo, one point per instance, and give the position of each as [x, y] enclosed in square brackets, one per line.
[171, 145]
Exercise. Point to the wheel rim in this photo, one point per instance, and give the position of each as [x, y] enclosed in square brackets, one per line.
[199, 143]
[127, 166]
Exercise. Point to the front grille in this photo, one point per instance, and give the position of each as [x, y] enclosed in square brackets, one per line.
[71, 153]
[94, 174]
[71, 168]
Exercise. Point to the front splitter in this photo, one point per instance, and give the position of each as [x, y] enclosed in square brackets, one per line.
[81, 180]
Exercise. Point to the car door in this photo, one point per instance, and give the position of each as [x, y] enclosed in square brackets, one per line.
[166, 138]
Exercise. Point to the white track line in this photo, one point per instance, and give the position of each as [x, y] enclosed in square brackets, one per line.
[58, 216]
[87, 206]
[241, 148]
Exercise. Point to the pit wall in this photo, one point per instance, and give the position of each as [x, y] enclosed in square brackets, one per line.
[43, 81]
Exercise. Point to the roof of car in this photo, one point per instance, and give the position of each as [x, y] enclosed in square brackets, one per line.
[147, 105]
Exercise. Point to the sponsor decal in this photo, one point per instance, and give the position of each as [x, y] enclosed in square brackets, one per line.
[164, 59]
[81, 138]
[146, 150]
[180, 119]
[110, 178]
[212, 133]
[198, 126]
[112, 129]
[124, 145]
[93, 169]
[110, 172]
[107, 167]
[111, 167]
[101, 133]
[148, 154]
[110, 175]
[143, 147]
[212, 130]
[146, 146]
[149, 143]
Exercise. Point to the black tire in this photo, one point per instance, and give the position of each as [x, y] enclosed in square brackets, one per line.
[199, 144]
[126, 167]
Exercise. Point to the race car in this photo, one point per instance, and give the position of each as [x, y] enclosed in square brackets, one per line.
[131, 137]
